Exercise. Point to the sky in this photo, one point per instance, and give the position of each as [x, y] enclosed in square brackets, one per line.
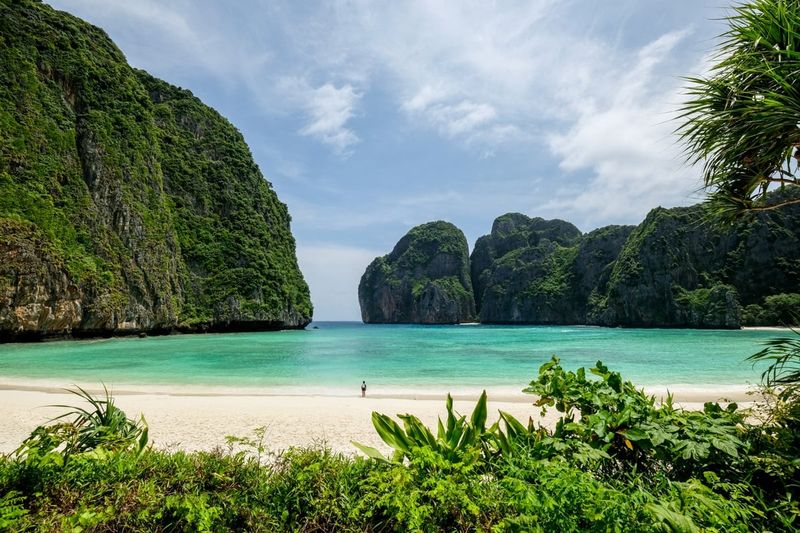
[371, 117]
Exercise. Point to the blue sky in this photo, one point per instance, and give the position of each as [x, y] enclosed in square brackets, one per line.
[372, 117]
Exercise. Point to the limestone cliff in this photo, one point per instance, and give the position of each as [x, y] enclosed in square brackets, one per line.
[425, 279]
[127, 205]
[675, 270]
[672, 270]
[535, 271]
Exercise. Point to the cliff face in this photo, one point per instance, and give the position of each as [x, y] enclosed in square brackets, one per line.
[535, 271]
[126, 205]
[674, 270]
[425, 279]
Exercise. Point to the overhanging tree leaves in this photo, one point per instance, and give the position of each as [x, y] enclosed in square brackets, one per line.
[742, 120]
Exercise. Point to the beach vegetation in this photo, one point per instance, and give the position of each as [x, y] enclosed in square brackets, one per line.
[100, 428]
[616, 460]
[741, 119]
[782, 309]
[456, 440]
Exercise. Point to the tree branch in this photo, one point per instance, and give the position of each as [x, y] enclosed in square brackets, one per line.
[774, 206]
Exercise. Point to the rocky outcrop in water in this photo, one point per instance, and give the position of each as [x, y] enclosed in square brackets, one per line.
[675, 269]
[425, 279]
[126, 205]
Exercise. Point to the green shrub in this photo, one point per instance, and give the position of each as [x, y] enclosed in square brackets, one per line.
[782, 309]
[612, 415]
[616, 461]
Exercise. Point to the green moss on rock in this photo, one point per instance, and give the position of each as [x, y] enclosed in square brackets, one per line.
[425, 279]
[536, 271]
[672, 270]
[676, 270]
[147, 200]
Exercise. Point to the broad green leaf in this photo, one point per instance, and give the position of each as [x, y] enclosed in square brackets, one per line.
[676, 521]
[415, 429]
[391, 433]
[478, 419]
[513, 426]
[634, 434]
[725, 446]
[369, 451]
[440, 432]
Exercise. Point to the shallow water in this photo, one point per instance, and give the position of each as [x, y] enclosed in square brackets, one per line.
[339, 355]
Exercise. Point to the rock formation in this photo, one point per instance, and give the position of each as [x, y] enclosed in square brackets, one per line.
[425, 279]
[673, 270]
[677, 270]
[126, 205]
[535, 271]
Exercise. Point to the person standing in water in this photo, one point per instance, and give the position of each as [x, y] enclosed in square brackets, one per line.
[363, 388]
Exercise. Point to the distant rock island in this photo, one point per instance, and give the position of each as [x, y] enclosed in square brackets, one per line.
[672, 270]
[126, 204]
[424, 280]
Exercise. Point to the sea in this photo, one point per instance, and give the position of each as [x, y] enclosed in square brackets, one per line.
[332, 358]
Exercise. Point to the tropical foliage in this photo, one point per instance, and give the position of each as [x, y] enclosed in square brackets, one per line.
[617, 460]
[741, 120]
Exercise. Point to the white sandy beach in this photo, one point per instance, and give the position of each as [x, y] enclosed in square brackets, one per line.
[199, 421]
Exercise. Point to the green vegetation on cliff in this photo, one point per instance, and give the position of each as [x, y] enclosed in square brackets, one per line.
[425, 279]
[672, 270]
[530, 270]
[675, 270]
[232, 229]
[149, 204]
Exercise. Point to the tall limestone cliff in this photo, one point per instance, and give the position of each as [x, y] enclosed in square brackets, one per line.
[126, 204]
[536, 271]
[676, 270]
[425, 279]
[672, 270]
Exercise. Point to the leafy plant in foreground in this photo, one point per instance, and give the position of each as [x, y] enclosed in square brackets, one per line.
[458, 439]
[613, 416]
[776, 465]
[102, 427]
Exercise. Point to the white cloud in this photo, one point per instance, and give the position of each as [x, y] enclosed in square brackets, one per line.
[624, 140]
[424, 97]
[461, 118]
[463, 69]
[333, 273]
[329, 108]
[326, 109]
[184, 39]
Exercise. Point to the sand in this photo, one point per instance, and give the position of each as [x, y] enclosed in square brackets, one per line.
[201, 421]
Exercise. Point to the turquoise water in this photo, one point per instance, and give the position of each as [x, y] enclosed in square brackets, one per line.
[337, 355]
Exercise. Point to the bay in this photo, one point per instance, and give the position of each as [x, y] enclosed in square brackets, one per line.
[338, 355]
